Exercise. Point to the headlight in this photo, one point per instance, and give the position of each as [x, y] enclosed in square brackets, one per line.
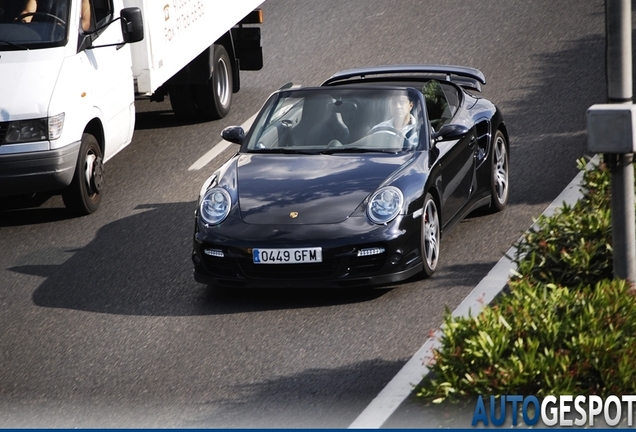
[43, 129]
[385, 204]
[215, 206]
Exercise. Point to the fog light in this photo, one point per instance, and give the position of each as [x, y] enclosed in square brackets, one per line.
[370, 251]
[214, 252]
[396, 258]
[195, 258]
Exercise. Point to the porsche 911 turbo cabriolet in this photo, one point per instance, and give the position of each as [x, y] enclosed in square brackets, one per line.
[353, 182]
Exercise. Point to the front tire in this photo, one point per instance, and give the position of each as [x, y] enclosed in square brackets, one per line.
[431, 234]
[83, 195]
[499, 173]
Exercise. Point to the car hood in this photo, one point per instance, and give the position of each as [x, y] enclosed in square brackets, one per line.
[309, 189]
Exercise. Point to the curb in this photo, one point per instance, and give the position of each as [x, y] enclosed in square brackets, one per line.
[412, 373]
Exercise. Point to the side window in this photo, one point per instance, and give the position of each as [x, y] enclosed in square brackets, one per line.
[452, 96]
[102, 10]
[95, 14]
[437, 106]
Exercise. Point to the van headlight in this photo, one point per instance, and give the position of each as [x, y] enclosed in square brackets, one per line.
[385, 204]
[21, 131]
[215, 206]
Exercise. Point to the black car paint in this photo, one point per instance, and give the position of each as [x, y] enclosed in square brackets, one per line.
[457, 174]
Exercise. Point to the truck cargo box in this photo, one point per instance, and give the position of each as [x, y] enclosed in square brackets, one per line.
[176, 31]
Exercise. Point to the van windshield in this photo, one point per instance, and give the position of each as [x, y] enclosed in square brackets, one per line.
[32, 24]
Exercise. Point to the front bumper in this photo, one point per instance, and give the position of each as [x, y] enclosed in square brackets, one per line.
[40, 171]
[341, 266]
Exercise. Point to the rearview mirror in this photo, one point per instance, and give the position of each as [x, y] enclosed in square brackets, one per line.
[450, 132]
[233, 134]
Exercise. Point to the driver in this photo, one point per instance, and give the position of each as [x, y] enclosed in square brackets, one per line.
[402, 119]
[31, 7]
[10, 10]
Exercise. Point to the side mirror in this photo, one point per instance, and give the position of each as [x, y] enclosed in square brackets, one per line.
[132, 24]
[450, 132]
[233, 134]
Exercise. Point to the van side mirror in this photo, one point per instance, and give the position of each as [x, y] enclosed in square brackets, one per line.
[233, 134]
[132, 24]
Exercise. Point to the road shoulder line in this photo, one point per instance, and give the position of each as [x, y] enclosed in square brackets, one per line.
[412, 373]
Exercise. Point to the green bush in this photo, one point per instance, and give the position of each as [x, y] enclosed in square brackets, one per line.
[563, 327]
[540, 339]
[574, 246]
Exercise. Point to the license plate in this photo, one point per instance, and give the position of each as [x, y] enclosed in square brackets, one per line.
[287, 256]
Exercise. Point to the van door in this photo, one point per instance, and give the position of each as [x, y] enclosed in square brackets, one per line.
[111, 73]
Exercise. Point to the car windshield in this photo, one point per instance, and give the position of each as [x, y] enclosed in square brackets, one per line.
[33, 24]
[339, 120]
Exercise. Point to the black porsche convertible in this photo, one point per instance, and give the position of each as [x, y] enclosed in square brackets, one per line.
[354, 182]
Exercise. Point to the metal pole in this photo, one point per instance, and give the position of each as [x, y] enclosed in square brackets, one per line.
[619, 90]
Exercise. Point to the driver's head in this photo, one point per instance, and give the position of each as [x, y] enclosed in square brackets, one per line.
[401, 107]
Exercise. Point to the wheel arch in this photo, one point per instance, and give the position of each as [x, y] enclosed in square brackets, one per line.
[504, 129]
[228, 43]
[436, 196]
[96, 128]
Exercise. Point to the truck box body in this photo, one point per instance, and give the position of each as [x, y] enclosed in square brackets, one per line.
[177, 31]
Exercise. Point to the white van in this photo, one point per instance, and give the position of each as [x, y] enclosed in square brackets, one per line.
[70, 71]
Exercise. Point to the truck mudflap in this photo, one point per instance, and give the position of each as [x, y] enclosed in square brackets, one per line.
[247, 44]
[43, 171]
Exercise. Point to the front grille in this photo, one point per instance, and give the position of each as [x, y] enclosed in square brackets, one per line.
[367, 265]
[221, 267]
[290, 271]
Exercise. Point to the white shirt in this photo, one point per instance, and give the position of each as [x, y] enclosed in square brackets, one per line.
[408, 130]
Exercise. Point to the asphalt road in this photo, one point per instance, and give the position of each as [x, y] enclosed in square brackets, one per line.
[104, 326]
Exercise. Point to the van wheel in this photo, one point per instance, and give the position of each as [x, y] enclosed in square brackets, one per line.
[215, 98]
[83, 195]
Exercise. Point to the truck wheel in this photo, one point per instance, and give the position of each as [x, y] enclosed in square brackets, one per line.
[83, 195]
[215, 98]
[182, 101]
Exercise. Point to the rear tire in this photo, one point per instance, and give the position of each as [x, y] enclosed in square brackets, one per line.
[499, 173]
[430, 236]
[83, 195]
[214, 99]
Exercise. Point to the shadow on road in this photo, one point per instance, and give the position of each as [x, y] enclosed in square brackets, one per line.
[161, 119]
[140, 265]
[307, 399]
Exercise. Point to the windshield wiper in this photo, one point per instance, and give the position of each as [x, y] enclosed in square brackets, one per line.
[281, 150]
[357, 150]
[14, 45]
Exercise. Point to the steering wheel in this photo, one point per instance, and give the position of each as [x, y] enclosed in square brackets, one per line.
[388, 129]
[46, 17]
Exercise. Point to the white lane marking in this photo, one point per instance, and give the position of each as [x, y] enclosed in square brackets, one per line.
[218, 148]
[412, 373]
